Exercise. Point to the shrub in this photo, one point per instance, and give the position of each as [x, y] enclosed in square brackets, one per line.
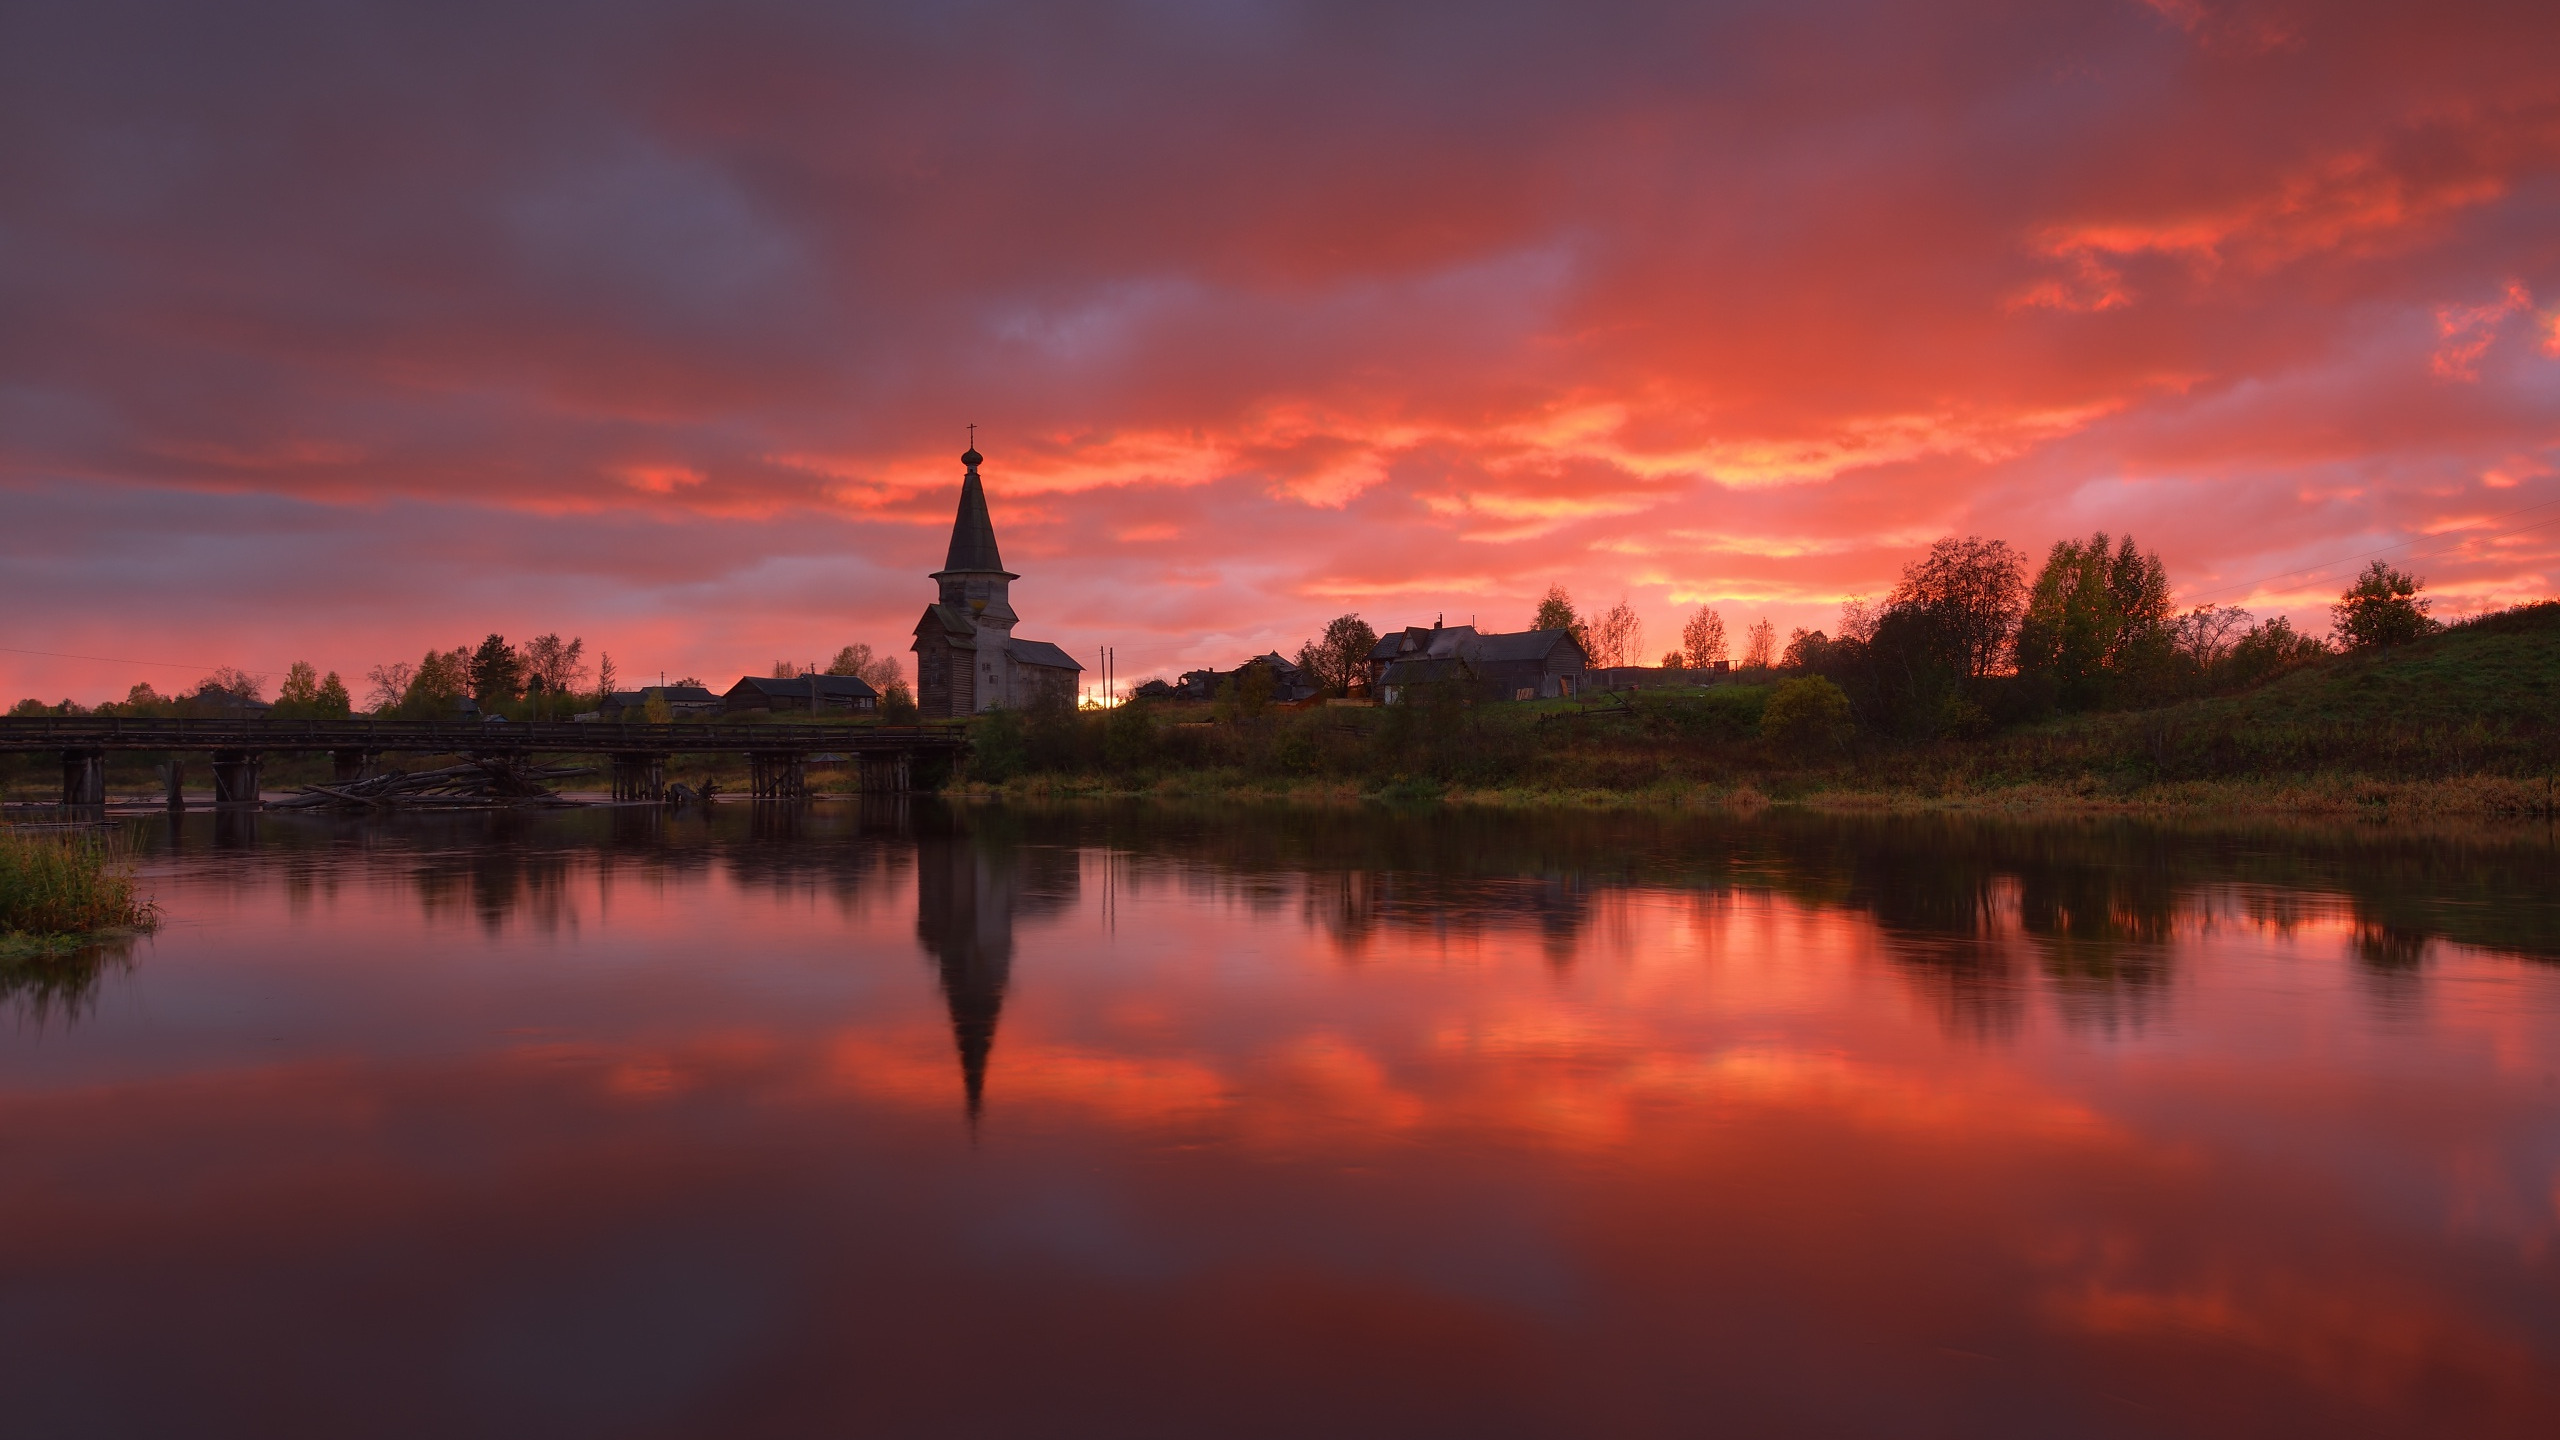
[1806, 715]
[2382, 608]
[1129, 738]
[898, 703]
[998, 748]
[58, 885]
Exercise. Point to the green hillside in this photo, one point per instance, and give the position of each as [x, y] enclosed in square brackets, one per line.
[2480, 698]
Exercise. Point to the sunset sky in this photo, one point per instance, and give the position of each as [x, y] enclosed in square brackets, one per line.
[335, 331]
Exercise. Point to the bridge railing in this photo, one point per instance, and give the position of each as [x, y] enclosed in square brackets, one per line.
[48, 732]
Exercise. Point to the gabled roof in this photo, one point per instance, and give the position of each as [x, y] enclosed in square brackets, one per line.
[829, 687]
[675, 695]
[1422, 640]
[1041, 652]
[973, 535]
[1524, 645]
[954, 624]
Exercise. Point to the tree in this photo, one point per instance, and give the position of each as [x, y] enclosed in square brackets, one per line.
[497, 672]
[1974, 589]
[1674, 660]
[604, 675]
[304, 695]
[554, 668]
[857, 660]
[2096, 621]
[1806, 650]
[1762, 647]
[1806, 715]
[2203, 636]
[897, 702]
[1340, 658]
[1615, 637]
[1702, 639]
[2268, 649]
[442, 678]
[390, 685]
[1555, 612]
[2381, 608]
[235, 682]
[300, 691]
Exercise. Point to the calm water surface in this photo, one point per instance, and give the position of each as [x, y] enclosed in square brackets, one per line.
[1184, 1123]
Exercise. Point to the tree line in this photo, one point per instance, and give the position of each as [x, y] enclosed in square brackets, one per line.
[1967, 640]
[545, 678]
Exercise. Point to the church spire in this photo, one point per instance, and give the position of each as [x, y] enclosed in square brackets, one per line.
[973, 535]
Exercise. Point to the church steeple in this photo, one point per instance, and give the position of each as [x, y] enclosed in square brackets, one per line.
[973, 574]
[973, 535]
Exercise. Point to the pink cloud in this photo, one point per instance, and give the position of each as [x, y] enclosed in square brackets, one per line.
[1267, 313]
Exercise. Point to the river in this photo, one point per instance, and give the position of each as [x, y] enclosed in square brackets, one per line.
[900, 1119]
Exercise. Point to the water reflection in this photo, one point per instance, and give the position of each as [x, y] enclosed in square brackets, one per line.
[901, 1119]
[58, 989]
[972, 883]
[1971, 909]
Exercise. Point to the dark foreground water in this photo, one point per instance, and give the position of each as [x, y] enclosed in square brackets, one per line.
[1223, 1123]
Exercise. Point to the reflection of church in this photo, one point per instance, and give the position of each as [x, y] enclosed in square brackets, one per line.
[969, 890]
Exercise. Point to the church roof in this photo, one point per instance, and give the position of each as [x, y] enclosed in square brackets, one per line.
[954, 623]
[973, 535]
[1041, 652]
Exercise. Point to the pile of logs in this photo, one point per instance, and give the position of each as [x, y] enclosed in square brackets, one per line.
[495, 781]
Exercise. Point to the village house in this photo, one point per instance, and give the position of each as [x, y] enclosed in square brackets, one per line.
[844, 694]
[684, 702]
[1289, 681]
[968, 659]
[1513, 665]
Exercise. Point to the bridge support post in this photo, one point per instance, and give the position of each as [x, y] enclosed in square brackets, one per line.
[777, 775]
[84, 778]
[174, 775]
[348, 766]
[235, 776]
[640, 777]
[884, 774]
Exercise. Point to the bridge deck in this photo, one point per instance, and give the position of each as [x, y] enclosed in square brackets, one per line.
[45, 732]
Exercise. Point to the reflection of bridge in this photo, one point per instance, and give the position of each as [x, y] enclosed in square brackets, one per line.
[777, 754]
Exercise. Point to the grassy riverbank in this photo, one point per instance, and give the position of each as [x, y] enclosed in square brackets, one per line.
[60, 890]
[2464, 723]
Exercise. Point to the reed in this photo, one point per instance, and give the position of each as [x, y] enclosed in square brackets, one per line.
[56, 885]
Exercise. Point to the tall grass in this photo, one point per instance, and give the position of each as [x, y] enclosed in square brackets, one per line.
[58, 884]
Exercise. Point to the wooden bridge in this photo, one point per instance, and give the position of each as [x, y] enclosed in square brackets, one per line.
[777, 754]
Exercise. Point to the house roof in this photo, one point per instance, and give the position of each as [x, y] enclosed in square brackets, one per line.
[973, 534]
[1041, 652]
[1524, 645]
[1422, 640]
[829, 687]
[676, 695]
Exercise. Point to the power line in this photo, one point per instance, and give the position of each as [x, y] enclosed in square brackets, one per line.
[110, 659]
